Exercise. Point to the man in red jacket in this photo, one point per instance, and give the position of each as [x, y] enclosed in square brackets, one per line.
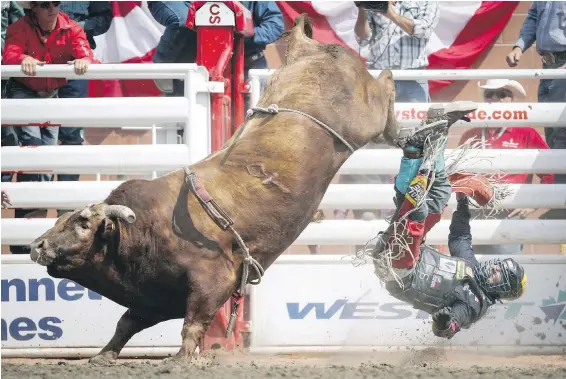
[43, 36]
[497, 91]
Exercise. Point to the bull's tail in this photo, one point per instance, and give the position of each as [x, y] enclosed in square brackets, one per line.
[391, 130]
[303, 25]
[300, 38]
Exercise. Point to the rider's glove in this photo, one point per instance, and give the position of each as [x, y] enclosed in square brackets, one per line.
[444, 323]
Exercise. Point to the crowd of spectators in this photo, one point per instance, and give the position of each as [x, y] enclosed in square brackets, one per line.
[55, 32]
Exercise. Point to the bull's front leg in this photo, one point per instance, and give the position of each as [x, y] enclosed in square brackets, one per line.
[197, 321]
[201, 309]
[128, 325]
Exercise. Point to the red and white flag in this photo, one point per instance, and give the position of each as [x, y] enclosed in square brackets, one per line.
[131, 38]
[465, 30]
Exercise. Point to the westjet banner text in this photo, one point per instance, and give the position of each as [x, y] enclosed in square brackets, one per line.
[333, 303]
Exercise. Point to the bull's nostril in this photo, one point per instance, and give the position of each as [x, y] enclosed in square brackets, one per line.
[43, 244]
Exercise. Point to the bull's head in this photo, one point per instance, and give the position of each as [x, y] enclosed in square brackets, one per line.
[78, 235]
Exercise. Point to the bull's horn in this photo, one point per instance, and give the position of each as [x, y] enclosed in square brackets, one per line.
[120, 211]
[86, 213]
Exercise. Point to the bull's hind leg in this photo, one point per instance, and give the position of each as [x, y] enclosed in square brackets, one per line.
[128, 325]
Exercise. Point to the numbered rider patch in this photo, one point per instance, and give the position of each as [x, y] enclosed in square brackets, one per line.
[435, 282]
[416, 190]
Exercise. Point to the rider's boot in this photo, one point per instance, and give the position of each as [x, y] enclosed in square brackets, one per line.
[439, 119]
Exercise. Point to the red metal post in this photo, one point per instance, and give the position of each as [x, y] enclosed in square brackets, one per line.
[239, 84]
[221, 28]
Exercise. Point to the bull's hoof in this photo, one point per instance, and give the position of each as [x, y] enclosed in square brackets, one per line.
[198, 360]
[177, 360]
[104, 359]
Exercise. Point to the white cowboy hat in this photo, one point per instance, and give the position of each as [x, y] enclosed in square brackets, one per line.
[512, 86]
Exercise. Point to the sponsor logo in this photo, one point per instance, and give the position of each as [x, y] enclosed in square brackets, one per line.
[346, 310]
[447, 265]
[510, 144]
[27, 327]
[554, 309]
[416, 191]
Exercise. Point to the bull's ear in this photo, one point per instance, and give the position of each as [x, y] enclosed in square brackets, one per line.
[108, 228]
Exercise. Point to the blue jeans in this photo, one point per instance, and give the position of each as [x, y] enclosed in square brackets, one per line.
[70, 135]
[554, 91]
[412, 91]
[27, 136]
[178, 44]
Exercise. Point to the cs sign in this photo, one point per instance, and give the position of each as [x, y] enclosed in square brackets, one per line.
[215, 13]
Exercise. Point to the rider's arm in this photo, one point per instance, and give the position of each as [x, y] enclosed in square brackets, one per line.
[461, 314]
[460, 237]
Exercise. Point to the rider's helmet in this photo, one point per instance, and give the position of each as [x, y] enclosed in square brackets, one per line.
[501, 278]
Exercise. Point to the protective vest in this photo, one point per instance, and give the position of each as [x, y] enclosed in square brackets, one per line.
[435, 281]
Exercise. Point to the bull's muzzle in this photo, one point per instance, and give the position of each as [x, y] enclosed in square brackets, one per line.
[42, 252]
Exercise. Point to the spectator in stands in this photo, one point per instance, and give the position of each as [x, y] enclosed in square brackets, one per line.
[545, 24]
[11, 12]
[179, 44]
[397, 39]
[43, 36]
[496, 91]
[95, 18]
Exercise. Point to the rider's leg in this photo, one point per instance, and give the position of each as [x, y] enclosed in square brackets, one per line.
[438, 195]
[412, 211]
[409, 224]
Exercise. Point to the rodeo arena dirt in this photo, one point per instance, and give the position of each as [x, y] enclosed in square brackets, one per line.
[208, 233]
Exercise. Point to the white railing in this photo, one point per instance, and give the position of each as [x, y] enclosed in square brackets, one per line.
[91, 159]
[74, 195]
[130, 159]
[193, 109]
[256, 75]
[351, 232]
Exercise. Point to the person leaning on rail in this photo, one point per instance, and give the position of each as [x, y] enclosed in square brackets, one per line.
[545, 24]
[43, 36]
[458, 290]
[506, 91]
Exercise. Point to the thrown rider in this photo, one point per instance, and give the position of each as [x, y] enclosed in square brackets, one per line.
[456, 290]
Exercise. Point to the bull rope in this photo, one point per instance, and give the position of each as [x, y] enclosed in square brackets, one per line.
[274, 109]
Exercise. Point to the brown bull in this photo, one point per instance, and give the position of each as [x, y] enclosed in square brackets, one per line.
[152, 248]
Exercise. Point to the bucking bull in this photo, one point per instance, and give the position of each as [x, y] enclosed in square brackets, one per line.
[175, 247]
